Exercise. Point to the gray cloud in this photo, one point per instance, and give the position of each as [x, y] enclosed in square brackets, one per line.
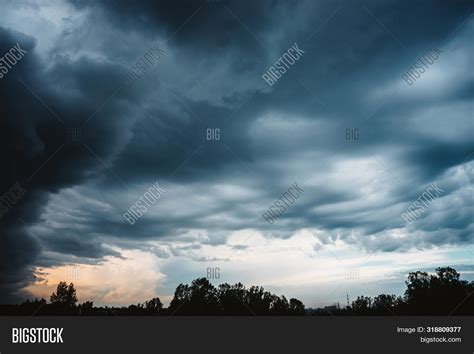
[210, 77]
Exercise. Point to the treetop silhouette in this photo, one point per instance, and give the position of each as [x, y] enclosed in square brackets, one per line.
[442, 293]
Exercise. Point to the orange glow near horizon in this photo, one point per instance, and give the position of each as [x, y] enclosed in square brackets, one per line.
[115, 281]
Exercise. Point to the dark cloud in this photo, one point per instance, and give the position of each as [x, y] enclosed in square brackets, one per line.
[210, 77]
[40, 109]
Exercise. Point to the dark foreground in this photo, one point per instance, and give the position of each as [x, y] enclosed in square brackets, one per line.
[442, 294]
[310, 334]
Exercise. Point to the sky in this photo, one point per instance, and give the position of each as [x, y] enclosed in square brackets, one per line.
[342, 122]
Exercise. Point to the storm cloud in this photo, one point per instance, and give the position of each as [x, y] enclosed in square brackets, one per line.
[341, 122]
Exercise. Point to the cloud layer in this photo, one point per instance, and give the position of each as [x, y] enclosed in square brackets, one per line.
[86, 145]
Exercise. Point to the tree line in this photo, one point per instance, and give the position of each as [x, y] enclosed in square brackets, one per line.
[442, 293]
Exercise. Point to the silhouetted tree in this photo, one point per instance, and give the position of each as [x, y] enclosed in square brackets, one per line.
[153, 306]
[384, 304]
[441, 294]
[181, 296]
[86, 308]
[418, 289]
[259, 300]
[296, 307]
[201, 297]
[279, 305]
[233, 299]
[65, 295]
[361, 305]
[36, 307]
[198, 299]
